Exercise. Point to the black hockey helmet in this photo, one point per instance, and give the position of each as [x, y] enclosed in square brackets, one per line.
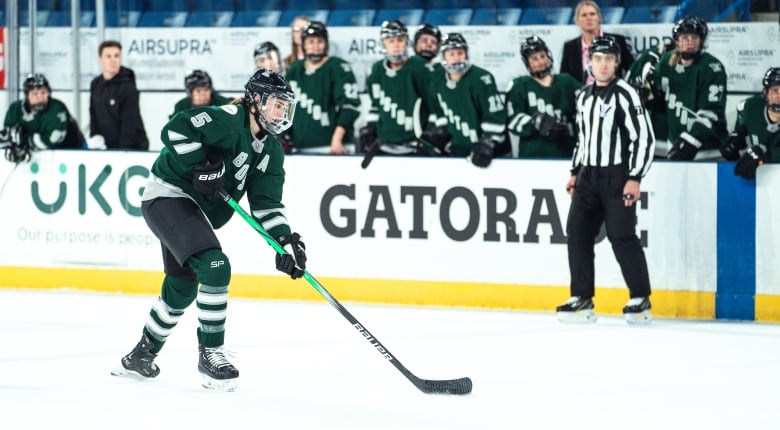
[315, 29]
[771, 79]
[268, 90]
[690, 25]
[268, 52]
[453, 41]
[604, 45]
[265, 48]
[429, 29]
[35, 81]
[197, 78]
[392, 28]
[535, 44]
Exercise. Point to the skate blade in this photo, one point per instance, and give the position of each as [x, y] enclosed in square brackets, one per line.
[128, 374]
[227, 385]
[581, 317]
[641, 318]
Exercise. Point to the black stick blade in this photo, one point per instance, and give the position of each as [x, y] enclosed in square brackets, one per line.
[458, 386]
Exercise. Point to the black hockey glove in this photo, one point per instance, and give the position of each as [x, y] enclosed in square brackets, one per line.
[366, 137]
[482, 153]
[293, 262]
[683, 149]
[437, 137]
[735, 143]
[285, 139]
[549, 127]
[209, 179]
[748, 163]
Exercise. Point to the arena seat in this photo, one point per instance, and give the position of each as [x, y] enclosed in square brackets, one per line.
[650, 14]
[208, 13]
[448, 16]
[165, 13]
[410, 17]
[611, 15]
[351, 17]
[547, 16]
[487, 16]
[315, 14]
[257, 18]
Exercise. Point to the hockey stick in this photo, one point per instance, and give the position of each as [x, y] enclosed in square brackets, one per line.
[373, 150]
[428, 386]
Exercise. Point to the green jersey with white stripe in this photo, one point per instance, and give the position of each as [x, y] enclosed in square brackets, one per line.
[753, 121]
[327, 97]
[471, 107]
[252, 167]
[525, 97]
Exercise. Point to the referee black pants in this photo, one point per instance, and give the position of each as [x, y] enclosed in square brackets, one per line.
[597, 199]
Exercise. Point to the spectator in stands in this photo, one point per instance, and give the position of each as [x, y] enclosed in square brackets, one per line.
[427, 42]
[200, 92]
[757, 129]
[267, 57]
[693, 85]
[41, 122]
[327, 91]
[470, 106]
[401, 97]
[641, 76]
[575, 51]
[114, 112]
[296, 53]
[541, 107]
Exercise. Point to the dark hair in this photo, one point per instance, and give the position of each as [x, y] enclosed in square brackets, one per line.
[108, 44]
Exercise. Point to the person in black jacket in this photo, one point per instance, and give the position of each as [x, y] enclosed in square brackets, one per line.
[114, 112]
[575, 51]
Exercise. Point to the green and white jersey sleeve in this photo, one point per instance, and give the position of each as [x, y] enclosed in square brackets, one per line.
[51, 128]
[753, 122]
[327, 97]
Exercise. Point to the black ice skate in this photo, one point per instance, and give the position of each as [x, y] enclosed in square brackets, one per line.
[576, 310]
[217, 371]
[637, 311]
[139, 363]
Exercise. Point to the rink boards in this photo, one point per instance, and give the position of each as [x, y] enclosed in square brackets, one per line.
[409, 230]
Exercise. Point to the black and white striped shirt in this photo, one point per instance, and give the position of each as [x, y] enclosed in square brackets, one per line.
[613, 129]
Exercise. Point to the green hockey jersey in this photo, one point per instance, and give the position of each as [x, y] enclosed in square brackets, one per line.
[752, 121]
[695, 99]
[51, 128]
[217, 99]
[252, 167]
[471, 107]
[525, 97]
[400, 99]
[327, 97]
[641, 67]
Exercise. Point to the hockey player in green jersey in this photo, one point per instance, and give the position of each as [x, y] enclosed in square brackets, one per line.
[328, 97]
[693, 84]
[44, 122]
[200, 92]
[540, 107]
[399, 88]
[470, 105]
[757, 129]
[207, 150]
[427, 42]
[641, 75]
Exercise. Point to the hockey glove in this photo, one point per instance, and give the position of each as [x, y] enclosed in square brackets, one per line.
[735, 143]
[285, 139]
[293, 262]
[683, 149]
[748, 163]
[482, 153]
[209, 179]
[549, 127]
[438, 137]
[366, 138]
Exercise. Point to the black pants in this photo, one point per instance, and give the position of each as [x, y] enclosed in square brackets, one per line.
[597, 198]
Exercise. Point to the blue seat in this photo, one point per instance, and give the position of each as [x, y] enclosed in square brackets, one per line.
[258, 18]
[448, 16]
[410, 17]
[351, 4]
[210, 19]
[258, 5]
[485, 16]
[351, 17]
[547, 16]
[547, 4]
[645, 3]
[612, 15]
[449, 4]
[123, 19]
[400, 4]
[165, 5]
[650, 14]
[289, 15]
[308, 4]
[163, 19]
[62, 19]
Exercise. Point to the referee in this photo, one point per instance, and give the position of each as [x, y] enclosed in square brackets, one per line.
[614, 150]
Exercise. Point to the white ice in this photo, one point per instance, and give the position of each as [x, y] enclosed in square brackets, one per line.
[304, 367]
